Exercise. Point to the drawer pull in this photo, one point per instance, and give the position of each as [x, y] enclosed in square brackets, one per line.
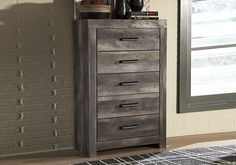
[129, 39]
[134, 126]
[128, 61]
[130, 105]
[130, 83]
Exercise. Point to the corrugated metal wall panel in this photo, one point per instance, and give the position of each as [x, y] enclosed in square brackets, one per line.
[36, 76]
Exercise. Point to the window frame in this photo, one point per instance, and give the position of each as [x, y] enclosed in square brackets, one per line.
[186, 103]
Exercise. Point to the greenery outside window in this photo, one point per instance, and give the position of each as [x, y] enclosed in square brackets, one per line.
[207, 55]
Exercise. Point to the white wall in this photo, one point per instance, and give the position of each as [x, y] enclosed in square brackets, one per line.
[189, 123]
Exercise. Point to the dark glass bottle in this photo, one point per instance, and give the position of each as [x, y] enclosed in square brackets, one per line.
[136, 5]
[121, 9]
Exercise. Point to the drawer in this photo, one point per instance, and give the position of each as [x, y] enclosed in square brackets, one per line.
[22, 145]
[139, 141]
[13, 151]
[128, 127]
[37, 121]
[127, 39]
[134, 61]
[36, 135]
[128, 105]
[130, 83]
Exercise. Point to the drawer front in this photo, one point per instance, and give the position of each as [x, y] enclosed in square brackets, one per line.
[106, 145]
[128, 105]
[35, 145]
[127, 39]
[134, 61]
[128, 127]
[132, 83]
[36, 121]
[36, 135]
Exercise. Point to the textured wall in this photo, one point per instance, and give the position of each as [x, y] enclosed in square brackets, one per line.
[189, 123]
[36, 76]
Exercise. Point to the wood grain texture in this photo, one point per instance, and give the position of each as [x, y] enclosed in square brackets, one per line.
[36, 76]
[118, 77]
[131, 142]
[127, 127]
[127, 39]
[122, 62]
[86, 86]
[128, 24]
[163, 60]
[130, 83]
[36, 135]
[127, 105]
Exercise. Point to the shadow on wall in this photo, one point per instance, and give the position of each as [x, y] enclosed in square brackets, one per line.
[36, 76]
[32, 22]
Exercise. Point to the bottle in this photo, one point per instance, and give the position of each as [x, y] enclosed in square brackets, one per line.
[121, 9]
[136, 5]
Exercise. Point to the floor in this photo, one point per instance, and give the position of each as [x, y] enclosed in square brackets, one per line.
[71, 157]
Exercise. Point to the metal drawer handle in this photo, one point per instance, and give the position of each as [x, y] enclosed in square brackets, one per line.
[20, 144]
[129, 105]
[21, 116]
[133, 126]
[128, 61]
[130, 83]
[129, 39]
[21, 130]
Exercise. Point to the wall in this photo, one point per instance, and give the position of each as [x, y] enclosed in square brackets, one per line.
[189, 123]
[36, 76]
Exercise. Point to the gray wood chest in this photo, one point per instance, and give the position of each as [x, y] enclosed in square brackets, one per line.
[120, 84]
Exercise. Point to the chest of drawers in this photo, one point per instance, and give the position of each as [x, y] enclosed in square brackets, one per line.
[120, 84]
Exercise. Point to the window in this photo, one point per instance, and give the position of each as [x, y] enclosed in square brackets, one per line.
[207, 55]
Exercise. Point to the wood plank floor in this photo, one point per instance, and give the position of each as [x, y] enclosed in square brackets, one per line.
[71, 157]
